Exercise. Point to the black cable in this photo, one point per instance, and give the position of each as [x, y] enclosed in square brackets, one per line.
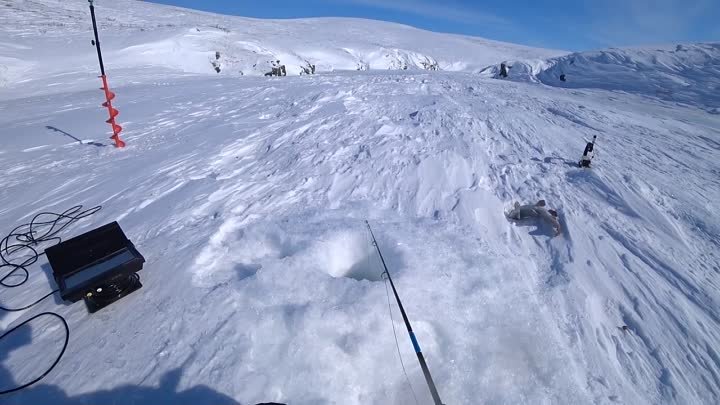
[27, 306]
[57, 360]
[26, 238]
[29, 236]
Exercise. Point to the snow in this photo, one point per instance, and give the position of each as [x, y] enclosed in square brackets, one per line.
[187, 41]
[248, 195]
[682, 73]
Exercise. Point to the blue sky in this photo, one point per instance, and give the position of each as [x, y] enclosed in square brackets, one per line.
[560, 24]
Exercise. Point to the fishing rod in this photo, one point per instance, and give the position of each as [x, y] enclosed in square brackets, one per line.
[421, 358]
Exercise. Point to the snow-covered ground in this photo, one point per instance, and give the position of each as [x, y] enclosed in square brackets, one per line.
[54, 35]
[247, 197]
[683, 73]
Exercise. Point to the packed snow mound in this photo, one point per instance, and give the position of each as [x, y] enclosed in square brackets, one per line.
[517, 70]
[682, 73]
[140, 34]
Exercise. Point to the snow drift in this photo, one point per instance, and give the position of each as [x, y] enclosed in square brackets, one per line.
[247, 197]
[688, 73]
[685, 73]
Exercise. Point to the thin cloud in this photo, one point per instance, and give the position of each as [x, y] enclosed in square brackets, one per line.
[639, 22]
[444, 11]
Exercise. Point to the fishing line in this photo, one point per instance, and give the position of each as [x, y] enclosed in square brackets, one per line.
[416, 345]
[397, 344]
[371, 265]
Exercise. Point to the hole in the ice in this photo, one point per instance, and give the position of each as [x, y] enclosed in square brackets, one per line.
[244, 270]
[351, 255]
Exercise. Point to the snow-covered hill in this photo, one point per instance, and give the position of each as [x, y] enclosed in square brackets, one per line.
[247, 197]
[188, 41]
[682, 73]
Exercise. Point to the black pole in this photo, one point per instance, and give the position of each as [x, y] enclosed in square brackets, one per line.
[97, 39]
[421, 358]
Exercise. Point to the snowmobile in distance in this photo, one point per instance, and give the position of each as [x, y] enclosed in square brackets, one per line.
[588, 154]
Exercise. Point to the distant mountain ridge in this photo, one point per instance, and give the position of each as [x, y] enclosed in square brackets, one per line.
[140, 33]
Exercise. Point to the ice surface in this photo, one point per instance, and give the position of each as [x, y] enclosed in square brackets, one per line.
[247, 197]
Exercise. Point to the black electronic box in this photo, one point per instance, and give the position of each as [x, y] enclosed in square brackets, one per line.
[98, 266]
